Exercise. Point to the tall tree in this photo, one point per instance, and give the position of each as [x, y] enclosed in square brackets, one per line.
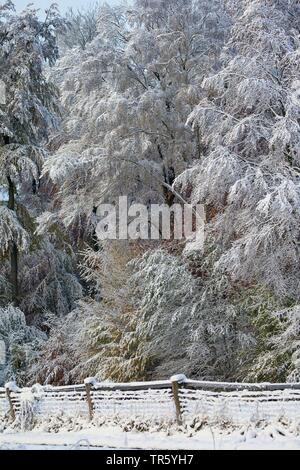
[128, 98]
[248, 176]
[26, 116]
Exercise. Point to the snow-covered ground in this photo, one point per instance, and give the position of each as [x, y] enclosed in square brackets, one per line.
[272, 437]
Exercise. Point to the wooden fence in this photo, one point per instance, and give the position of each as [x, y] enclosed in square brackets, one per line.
[178, 398]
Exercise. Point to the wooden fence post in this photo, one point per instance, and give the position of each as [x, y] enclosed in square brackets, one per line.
[88, 388]
[10, 401]
[177, 382]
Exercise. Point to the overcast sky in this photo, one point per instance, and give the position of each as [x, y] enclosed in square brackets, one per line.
[63, 4]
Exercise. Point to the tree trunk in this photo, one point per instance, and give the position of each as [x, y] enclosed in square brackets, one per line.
[14, 248]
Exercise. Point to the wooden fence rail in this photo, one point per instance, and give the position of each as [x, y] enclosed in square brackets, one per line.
[176, 398]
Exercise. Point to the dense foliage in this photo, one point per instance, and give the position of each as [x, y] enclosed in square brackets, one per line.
[162, 101]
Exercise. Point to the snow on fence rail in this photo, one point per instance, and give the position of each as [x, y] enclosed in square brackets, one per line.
[178, 398]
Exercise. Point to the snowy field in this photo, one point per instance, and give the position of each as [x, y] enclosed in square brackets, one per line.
[272, 437]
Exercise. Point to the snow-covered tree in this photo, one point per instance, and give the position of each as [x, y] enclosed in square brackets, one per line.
[127, 99]
[248, 179]
[49, 280]
[55, 360]
[249, 175]
[22, 344]
[138, 325]
[194, 99]
[277, 357]
[81, 26]
[26, 116]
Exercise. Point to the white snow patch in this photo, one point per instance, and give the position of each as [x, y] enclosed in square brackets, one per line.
[112, 438]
